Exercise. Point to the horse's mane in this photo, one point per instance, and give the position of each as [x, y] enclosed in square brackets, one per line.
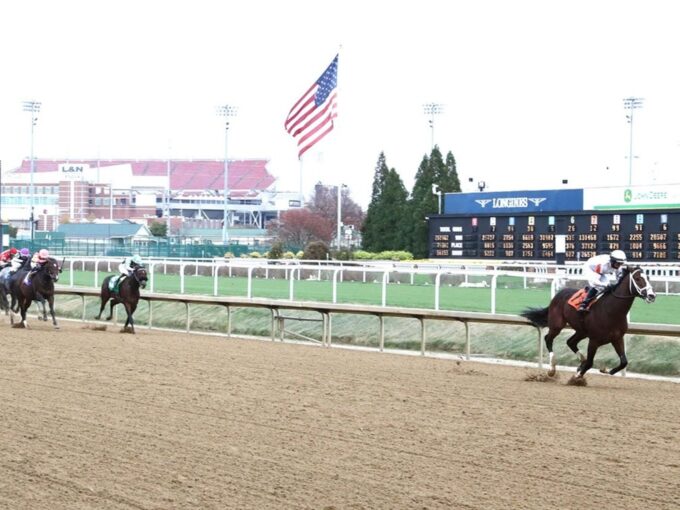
[625, 271]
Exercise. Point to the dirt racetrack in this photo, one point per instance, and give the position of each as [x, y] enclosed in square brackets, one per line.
[103, 420]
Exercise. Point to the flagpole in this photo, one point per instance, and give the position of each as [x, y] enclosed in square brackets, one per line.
[302, 195]
[338, 144]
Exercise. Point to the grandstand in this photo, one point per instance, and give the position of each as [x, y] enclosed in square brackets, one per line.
[143, 190]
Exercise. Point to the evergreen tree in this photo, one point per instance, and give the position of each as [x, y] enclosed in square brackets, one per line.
[450, 183]
[423, 201]
[394, 204]
[379, 176]
[433, 174]
[393, 222]
[371, 229]
[386, 219]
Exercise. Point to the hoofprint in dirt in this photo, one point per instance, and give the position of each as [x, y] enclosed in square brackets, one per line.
[99, 419]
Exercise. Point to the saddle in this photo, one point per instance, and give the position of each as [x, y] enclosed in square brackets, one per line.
[579, 296]
[114, 283]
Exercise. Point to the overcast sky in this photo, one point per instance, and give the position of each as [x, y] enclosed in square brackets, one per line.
[532, 90]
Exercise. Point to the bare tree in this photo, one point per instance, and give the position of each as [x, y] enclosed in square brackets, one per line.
[325, 203]
[298, 227]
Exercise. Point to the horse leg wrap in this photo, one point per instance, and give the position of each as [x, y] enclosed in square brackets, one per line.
[553, 363]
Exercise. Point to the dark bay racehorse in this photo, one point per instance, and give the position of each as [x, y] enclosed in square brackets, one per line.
[128, 294]
[5, 281]
[41, 289]
[4, 303]
[606, 322]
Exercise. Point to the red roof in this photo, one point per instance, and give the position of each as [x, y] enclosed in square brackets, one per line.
[251, 174]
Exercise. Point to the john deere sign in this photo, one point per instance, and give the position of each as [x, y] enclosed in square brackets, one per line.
[634, 197]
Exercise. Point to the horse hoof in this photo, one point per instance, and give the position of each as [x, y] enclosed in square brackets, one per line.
[551, 372]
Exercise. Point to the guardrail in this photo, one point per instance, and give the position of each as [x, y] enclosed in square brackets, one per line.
[382, 274]
[326, 310]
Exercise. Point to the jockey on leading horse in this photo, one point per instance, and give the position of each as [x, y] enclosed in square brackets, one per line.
[38, 261]
[597, 270]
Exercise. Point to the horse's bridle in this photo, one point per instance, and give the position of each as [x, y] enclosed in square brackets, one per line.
[134, 273]
[47, 270]
[645, 292]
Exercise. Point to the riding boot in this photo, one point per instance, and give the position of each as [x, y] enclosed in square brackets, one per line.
[28, 276]
[592, 292]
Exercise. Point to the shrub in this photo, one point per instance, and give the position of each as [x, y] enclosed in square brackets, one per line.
[383, 255]
[344, 254]
[276, 251]
[316, 250]
[394, 255]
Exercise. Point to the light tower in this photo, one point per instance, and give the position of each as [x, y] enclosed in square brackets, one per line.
[33, 107]
[432, 109]
[631, 103]
[226, 111]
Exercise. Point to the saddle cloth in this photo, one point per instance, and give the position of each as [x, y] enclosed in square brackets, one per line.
[114, 282]
[578, 297]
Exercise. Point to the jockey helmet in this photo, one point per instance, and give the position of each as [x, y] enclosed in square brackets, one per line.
[43, 254]
[24, 252]
[13, 250]
[137, 260]
[617, 257]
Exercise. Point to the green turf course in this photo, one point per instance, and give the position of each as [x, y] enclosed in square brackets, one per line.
[511, 298]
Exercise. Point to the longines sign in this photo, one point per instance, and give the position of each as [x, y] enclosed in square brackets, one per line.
[511, 202]
[490, 203]
[72, 171]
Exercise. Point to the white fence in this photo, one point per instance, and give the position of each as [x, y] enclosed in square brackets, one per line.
[384, 273]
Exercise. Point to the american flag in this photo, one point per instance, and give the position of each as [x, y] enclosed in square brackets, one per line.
[311, 118]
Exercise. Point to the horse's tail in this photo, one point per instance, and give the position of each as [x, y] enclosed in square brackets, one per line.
[537, 316]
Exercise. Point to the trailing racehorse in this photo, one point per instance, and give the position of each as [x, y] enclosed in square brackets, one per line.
[606, 321]
[4, 277]
[127, 293]
[40, 289]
